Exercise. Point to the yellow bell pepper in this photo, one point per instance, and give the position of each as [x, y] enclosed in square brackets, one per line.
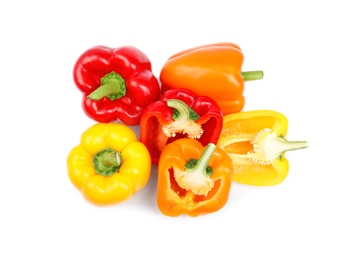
[109, 165]
[255, 141]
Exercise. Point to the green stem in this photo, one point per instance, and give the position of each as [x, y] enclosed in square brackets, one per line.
[252, 75]
[107, 162]
[202, 164]
[266, 146]
[105, 90]
[112, 86]
[281, 146]
[182, 110]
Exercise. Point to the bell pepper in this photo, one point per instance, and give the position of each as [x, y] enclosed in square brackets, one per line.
[193, 179]
[212, 70]
[256, 143]
[117, 83]
[109, 165]
[177, 114]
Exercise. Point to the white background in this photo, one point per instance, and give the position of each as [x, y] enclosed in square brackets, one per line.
[310, 52]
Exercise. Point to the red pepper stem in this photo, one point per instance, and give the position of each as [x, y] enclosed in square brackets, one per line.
[111, 87]
[182, 110]
[252, 75]
[184, 120]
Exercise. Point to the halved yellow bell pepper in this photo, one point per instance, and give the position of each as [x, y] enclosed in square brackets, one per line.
[109, 165]
[255, 141]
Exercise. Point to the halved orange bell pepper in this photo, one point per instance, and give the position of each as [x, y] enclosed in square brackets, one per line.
[256, 143]
[193, 179]
[212, 70]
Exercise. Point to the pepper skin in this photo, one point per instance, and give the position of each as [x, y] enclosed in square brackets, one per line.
[117, 83]
[193, 179]
[109, 165]
[255, 141]
[212, 70]
[179, 113]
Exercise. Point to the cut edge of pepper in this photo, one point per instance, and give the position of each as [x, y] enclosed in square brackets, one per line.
[267, 146]
[184, 120]
[196, 176]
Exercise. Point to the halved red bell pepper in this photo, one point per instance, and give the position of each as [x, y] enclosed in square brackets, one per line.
[118, 83]
[178, 114]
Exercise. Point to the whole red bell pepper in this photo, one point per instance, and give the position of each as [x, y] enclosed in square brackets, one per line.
[118, 83]
[179, 113]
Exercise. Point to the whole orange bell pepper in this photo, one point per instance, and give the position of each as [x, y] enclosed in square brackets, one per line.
[193, 179]
[256, 143]
[212, 70]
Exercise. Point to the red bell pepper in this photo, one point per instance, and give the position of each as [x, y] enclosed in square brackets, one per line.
[117, 83]
[178, 114]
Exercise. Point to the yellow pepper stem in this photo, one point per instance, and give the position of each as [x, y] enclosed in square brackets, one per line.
[107, 162]
[267, 147]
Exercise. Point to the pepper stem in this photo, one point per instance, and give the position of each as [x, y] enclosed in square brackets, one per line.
[184, 122]
[202, 165]
[107, 162]
[252, 75]
[182, 110]
[268, 147]
[284, 145]
[112, 86]
[196, 178]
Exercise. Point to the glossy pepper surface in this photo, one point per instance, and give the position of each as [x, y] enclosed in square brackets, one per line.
[212, 70]
[109, 165]
[117, 83]
[179, 113]
[256, 143]
[193, 179]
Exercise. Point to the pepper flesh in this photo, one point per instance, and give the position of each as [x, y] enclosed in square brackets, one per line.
[255, 141]
[179, 113]
[109, 165]
[193, 179]
[117, 83]
[212, 70]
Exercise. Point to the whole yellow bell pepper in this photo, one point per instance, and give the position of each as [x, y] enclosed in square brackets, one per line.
[256, 143]
[109, 165]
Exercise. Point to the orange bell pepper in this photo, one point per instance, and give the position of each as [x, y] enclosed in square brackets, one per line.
[256, 143]
[193, 179]
[212, 70]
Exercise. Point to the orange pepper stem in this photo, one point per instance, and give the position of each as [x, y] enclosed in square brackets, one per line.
[201, 165]
[112, 86]
[107, 162]
[252, 75]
